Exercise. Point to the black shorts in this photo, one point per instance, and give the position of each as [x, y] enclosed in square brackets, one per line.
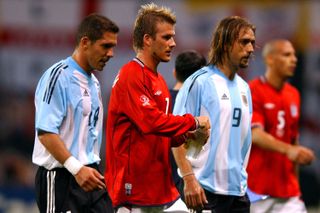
[58, 191]
[227, 203]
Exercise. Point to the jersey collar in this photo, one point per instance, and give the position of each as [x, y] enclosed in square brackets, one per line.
[74, 64]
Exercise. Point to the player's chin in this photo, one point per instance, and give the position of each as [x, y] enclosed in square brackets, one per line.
[244, 65]
[99, 68]
[166, 59]
[245, 61]
[290, 73]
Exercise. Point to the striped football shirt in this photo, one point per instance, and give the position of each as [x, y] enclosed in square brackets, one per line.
[68, 103]
[221, 165]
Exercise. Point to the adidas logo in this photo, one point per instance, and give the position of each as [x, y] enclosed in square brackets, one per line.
[85, 93]
[224, 97]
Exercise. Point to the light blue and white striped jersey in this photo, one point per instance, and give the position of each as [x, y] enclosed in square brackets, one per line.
[221, 165]
[68, 102]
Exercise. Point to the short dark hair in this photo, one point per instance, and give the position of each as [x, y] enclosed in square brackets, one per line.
[224, 36]
[94, 26]
[187, 63]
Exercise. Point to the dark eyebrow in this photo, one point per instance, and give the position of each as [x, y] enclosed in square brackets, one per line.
[245, 41]
[108, 45]
[167, 36]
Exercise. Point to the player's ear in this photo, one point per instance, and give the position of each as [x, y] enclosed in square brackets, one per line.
[147, 39]
[269, 59]
[84, 42]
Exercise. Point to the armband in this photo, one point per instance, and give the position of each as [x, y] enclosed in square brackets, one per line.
[72, 165]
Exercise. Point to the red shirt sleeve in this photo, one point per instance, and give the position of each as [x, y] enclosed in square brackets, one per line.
[257, 103]
[295, 110]
[146, 101]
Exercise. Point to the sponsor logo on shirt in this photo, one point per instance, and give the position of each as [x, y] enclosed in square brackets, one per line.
[269, 105]
[145, 100]
[293, 110]
[128, 188]
[85, 93]
[224, 97]
[159, 92]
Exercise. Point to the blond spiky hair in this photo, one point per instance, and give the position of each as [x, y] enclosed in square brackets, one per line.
[153, 8]
[148, 16]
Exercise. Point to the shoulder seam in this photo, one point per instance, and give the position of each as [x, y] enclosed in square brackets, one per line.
[194, 78]
[54, 75]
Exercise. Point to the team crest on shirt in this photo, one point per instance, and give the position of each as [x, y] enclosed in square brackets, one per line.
[145, 100]
[244, 99]
[294, 110]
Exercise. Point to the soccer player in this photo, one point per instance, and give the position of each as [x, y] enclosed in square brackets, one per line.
[186, 63]
[69, 117]
[276, 152]
[216, 179]
[140, 125]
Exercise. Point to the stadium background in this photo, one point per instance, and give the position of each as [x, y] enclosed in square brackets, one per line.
[36, 33]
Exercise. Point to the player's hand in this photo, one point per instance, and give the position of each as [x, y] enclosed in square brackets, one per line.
[199, 136]
[194, 194]
[300, 154]
[195, 141]
[90, 179]
[203, 122]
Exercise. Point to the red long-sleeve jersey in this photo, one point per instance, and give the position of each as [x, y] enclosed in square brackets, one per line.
[277, 112]
[139, 132]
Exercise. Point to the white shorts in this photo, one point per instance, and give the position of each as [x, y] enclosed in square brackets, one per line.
[140, 210]
[278, 205]
[178, 207]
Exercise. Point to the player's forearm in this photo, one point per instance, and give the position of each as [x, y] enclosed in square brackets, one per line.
[55, 146]
[266, 141]
[296, 165]
[183, 164]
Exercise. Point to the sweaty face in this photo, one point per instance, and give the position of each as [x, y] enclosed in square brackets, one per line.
[163, 43]
[283, 59]
[98, 53]
[242, 49]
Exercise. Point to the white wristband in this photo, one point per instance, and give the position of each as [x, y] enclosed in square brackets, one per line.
[72, 165]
